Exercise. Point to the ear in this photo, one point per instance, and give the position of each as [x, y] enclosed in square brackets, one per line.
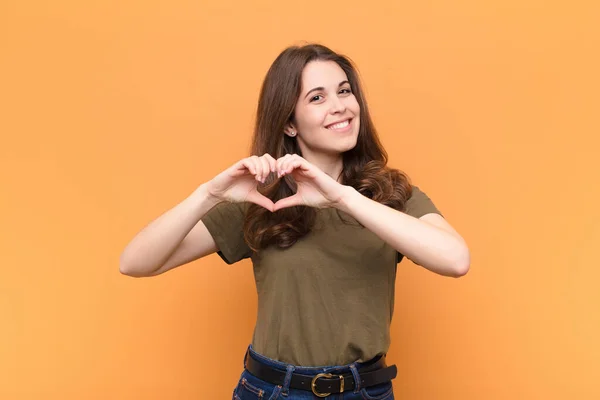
[290, 130]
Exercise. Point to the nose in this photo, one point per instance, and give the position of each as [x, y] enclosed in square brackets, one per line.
[337, 105]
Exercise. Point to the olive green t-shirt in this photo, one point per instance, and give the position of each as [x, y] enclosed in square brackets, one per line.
[329, 298]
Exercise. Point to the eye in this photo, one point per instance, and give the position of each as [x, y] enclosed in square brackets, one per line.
[315, 98]
[346, 90]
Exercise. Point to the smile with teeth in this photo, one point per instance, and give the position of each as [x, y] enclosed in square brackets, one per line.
[339, 125]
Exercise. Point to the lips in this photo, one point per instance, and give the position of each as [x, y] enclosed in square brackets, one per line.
[339, 124]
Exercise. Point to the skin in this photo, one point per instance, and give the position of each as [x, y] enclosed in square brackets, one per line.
[178, 236]
[429, 241]
[326, 98]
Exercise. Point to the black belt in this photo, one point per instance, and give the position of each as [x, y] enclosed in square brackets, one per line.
[324, 384]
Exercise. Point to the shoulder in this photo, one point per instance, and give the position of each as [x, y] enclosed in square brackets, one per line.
[419, 203]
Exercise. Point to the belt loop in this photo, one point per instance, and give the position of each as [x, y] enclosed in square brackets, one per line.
[356, 377]
[288, 380]
[246, 356]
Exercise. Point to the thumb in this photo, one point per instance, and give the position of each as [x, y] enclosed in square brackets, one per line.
[295, 200]
[259, 199]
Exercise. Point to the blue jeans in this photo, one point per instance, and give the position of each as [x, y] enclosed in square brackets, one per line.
[250, 387]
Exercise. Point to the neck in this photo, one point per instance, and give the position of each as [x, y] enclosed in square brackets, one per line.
[331, 164]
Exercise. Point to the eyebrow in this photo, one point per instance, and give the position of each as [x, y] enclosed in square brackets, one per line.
[322, 88]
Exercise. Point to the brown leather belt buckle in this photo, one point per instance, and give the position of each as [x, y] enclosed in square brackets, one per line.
[314, 384]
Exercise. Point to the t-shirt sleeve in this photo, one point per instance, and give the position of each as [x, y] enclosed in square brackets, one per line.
[416, 206]
[419, 204]
[225, 223]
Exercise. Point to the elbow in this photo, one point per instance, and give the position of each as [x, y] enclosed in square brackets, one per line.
[126, 268]
[136, 271]
[124, 271]
[462, 262]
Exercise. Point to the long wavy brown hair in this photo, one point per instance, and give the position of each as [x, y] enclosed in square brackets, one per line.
[364, 167]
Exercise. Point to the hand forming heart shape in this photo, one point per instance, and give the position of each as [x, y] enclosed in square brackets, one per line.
[239, 183]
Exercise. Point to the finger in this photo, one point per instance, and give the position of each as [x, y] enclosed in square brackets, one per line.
[272, 162]
[306, 168]
[283, 158]
[265, 168]
[285, 166]
[293, 164]
[257, 198]
[239, 169]
[257, 167]
[301, 165]
[281, 163]
[249, 166]
[291, 201]
[290, 164]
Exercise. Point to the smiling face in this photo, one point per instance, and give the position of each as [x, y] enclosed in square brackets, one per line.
[327, 115]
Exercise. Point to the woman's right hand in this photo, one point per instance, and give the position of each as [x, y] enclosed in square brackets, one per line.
[238, 183]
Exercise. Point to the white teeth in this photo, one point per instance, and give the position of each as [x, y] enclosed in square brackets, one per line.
[339, 125]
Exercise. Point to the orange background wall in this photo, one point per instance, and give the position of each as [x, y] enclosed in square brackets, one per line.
[113, 112]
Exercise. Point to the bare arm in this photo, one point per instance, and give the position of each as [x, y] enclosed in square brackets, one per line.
[428, 241]
[179, 236]
[175, 238]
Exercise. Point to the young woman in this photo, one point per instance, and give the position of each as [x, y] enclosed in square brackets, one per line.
[325, 222]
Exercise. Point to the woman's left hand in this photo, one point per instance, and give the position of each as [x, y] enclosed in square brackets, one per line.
[315, 187]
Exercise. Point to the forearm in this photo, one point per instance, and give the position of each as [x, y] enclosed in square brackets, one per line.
[436, 249]
[154, 244]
